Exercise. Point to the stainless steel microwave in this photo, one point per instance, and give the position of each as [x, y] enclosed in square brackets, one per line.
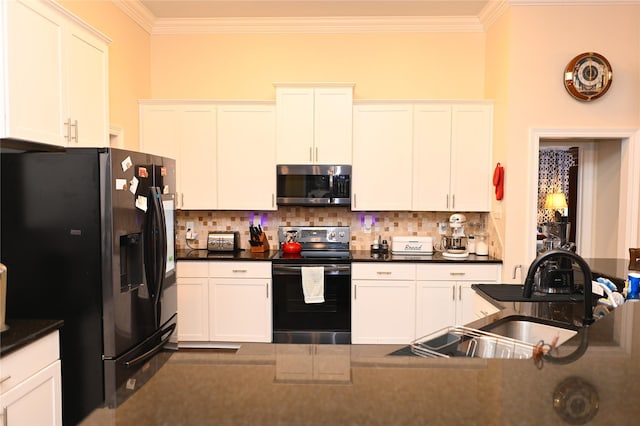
[313, 185]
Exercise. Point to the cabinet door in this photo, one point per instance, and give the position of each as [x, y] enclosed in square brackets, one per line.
[295, 131]
[88, 92]
[471, 143]
[197, 165]
[333, 125]
[240, 310]
[35, 401]
[382, 157]
[383, 311]
[435, 306]
[35, 82]
[431, 157]
[193, 309]
[246, 157]
[159, 130]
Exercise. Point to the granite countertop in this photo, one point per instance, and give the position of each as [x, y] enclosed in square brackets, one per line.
[203, 254]
[21, 332]
[356, 256]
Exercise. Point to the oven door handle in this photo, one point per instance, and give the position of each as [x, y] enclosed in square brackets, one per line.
[296, 269]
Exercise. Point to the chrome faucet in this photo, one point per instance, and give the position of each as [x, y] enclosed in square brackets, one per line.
[529, 282]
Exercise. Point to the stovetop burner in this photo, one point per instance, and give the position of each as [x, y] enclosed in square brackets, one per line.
[319, 244]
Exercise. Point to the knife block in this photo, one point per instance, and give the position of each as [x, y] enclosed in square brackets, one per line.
[262, 247]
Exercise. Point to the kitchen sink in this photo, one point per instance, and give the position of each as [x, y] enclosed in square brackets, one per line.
[532, 330]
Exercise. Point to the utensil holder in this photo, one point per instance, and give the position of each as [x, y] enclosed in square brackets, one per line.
[263, 245]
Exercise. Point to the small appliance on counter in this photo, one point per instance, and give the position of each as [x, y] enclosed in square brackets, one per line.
[420, 246]
[227, 241]
[453, 241]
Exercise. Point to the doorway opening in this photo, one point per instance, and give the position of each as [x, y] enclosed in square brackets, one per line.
[604, 194]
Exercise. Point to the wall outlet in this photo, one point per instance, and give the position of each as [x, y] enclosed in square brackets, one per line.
[191, 235]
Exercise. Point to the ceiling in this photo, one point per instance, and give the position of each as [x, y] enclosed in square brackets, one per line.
[184, 9]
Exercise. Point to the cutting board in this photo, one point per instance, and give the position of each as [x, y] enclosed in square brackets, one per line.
[513, 293]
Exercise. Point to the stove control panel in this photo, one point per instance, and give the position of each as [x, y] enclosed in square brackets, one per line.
[315, 235]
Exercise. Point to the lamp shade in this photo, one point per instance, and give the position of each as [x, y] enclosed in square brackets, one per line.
[555, 201]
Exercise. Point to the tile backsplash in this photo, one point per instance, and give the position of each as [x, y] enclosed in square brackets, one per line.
[386, 224]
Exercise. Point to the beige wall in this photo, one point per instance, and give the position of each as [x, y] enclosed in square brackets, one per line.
[401, 66]
[542, 40]
[129, 62]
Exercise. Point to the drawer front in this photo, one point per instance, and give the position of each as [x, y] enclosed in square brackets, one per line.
[383, 271]
[240, 269]
[23, 363]
[193, 269]
[459, 272]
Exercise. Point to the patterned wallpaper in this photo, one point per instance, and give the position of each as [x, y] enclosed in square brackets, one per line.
[386, 224]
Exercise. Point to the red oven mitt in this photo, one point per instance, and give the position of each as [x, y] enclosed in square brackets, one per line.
[498, 181]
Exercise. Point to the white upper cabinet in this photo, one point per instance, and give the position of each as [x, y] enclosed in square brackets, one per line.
[471, 148]
[382, 154]
[185, 132]
[54, 76]
[246, 165]
[452, 157]
[314, 123]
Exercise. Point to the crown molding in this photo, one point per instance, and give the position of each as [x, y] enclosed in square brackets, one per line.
[492, 11]
[318, 25]
[334, 25]
[135, 10]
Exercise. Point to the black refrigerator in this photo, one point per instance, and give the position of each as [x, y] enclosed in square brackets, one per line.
[89, 237]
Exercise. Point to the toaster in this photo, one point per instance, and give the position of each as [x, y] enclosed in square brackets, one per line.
[223, 241]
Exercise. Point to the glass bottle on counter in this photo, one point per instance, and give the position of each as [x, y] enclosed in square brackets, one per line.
[482, 247]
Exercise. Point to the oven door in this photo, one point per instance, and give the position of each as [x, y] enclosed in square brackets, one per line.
[295, 321]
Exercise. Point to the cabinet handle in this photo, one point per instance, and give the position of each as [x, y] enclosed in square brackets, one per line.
[266, 286]
[453, 293]
[5, 411]
[238, 270]
[460, 293]
[383, 272]
[311, 154]
[76, 131]
[484, 313]
[273, 200]
[317, 155]
[68, 125]
[355, 291]
[457, 273]
[5, 378]
[447, 200]
[453, 203]
[355, 201]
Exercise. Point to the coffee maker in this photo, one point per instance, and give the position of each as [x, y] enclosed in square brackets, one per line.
[555, 276]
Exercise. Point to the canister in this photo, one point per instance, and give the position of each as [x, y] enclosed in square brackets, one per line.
[633, 286]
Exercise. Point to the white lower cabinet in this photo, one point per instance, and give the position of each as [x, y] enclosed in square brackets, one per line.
[383, 303]
[318, 363]
[30, 384]
[444, 295]
[221, 301]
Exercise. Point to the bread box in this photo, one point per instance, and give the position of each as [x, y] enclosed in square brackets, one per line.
[412, 245]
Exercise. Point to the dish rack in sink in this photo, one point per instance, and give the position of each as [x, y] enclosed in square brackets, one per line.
[462, 341]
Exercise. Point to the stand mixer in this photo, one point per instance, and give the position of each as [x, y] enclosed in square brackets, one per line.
[453, 243]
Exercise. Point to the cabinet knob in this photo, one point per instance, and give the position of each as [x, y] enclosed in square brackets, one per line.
[238, 270]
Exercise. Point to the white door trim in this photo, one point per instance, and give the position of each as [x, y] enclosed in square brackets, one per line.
[629, 208]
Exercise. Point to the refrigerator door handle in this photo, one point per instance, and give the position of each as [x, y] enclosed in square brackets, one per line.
[151, 352]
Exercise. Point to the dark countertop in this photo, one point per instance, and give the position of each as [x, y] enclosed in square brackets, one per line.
[368, 256]
[357, 256]
[203, 254]
[21, 332]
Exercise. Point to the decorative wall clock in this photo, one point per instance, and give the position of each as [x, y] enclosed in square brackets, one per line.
[588, 76]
